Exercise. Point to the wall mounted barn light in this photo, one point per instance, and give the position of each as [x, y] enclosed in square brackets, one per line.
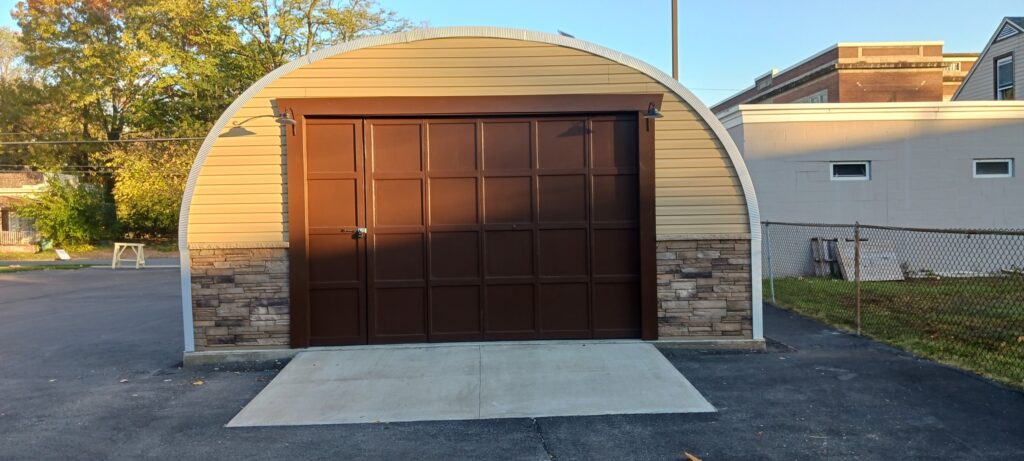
[653, 112]
[286, 117]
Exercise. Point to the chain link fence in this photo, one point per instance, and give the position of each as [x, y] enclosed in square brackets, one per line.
[956, 296]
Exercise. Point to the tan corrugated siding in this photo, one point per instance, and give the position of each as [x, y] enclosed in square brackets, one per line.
[240, 194]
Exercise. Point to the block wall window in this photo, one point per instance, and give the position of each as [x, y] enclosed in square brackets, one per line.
[993, 168]
[816, 98]
[850, 171]
[1004, 79]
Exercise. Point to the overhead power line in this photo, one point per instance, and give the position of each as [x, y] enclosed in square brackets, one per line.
[95, 141]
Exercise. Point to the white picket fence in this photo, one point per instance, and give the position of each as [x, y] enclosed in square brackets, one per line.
[18, 237]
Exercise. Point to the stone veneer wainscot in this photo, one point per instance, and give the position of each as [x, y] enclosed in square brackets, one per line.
[704, 289]
[240, 295]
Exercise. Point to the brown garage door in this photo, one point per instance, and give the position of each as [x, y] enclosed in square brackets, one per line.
[476, 229]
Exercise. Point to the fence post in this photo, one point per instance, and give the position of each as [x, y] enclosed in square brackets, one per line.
[768, 251]
[856, 270]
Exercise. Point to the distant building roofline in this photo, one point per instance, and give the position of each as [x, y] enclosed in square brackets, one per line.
[826, 50]
[961, 55]
[835, 112]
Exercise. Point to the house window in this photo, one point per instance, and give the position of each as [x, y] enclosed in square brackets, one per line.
[851, 171]
[1004, 79]
[5, 220]
[993, 168]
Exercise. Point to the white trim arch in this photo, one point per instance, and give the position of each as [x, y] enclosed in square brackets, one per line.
[479, 32]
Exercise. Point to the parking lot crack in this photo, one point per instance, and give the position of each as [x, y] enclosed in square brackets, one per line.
[543, 440]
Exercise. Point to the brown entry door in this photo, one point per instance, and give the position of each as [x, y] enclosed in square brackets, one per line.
[500, 228]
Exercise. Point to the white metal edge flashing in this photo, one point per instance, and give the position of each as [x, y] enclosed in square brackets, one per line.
[454, 32]
[909, 43]
[836, 112]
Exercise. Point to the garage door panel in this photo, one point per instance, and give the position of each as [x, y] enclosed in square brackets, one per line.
[561, 144]
[396, 147]
[563, 252]
[398, 257]
[334, 258]
[508, 200]
[616, 198]
[334, 202]
[562, 198]
[455, 312]
[400, 314]
[507, 145]
[398, 202]
[614, 144]
[453, 201]
[331, 145]
[510, 311]
[455, 255]
[565, 310]
[452, 147]
[615, 312]
[615, 252]
[509, 253]
[336, 317]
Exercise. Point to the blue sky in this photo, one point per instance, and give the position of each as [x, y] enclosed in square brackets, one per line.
[724, 44]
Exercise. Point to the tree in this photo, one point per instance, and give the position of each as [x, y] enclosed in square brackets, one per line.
[70, 213]
[149, 180]
[31, 108]
[105, 69]
[118, 59]
[171, 66]
[277, 31]
[10, 55]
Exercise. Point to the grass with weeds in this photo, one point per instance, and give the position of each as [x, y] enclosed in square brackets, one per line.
[41, 267]
[104, 251]
[972, 323]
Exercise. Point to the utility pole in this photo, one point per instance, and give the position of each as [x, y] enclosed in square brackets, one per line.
[675, 39]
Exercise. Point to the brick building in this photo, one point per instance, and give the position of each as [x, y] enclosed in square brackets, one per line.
[861, 72]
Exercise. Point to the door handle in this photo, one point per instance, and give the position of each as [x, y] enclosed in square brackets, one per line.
[357, 232]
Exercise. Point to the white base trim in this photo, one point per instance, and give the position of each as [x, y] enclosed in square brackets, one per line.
[226, 356]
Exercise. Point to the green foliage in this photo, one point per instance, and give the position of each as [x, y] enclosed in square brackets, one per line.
[70, 213]
[118, 60]
[170, 67]
[274, 32]
[113, 69]
[10, 54]
[148, 183]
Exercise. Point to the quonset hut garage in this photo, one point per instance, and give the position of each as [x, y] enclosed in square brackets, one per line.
[467, 184]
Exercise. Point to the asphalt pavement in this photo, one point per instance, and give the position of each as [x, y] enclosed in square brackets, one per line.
[90, 369]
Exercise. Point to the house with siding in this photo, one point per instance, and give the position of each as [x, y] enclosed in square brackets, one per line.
[467, 184]
[17, 187]
[999, 72]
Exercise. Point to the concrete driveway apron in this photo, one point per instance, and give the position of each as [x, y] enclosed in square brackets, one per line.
[459, 381]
